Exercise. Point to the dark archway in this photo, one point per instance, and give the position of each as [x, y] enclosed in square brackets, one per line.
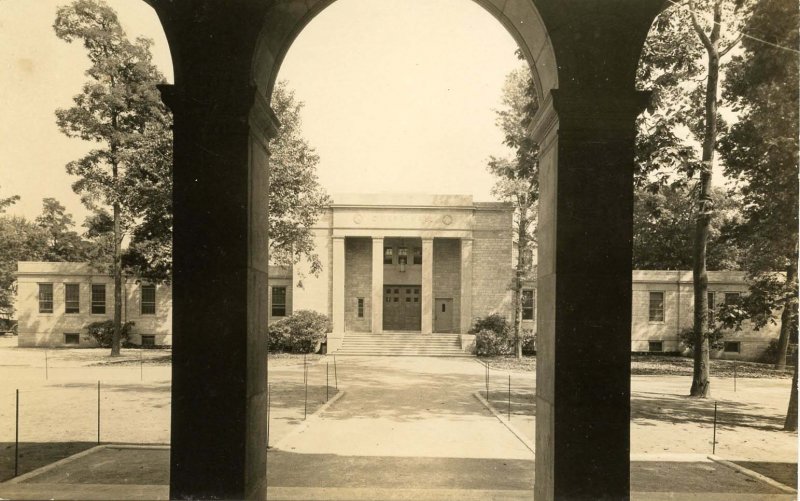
[226, 53]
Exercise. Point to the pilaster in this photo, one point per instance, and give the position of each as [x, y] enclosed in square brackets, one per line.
[466, 285]
[338, 269]
[376, 299]
[427, 285]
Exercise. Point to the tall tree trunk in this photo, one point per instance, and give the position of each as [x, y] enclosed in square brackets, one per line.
[791, 414]
[700, 381]
[117, 334]
[787, 314]
[522, 244]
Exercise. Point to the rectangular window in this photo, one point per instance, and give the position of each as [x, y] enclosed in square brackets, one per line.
[148, 340]
[279, 301]
[72, 338]
[148, 299]
[361, 307]
[402, 255]
[527, 304]
[72, 298]
[732, 297]
[712, 310]
[656, 307]
[732, 347]
[656, 346]
[45, 298]
[417, 255]
[99, 299]
[388, 255]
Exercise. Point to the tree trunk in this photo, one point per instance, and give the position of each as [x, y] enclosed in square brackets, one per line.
[117, 334]
[786, 315]
[700, 382]
[522, 244]
[791, 414]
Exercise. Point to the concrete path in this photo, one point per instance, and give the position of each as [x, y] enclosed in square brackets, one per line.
[408, 407]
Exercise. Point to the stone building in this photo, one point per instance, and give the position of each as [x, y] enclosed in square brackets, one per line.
[57, 301]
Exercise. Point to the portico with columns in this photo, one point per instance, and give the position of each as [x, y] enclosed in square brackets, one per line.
[408, 263]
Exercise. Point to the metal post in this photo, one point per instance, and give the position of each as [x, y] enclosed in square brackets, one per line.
[46, 375]
[487, 381]
[327, 379]
[16, 440]
[509, 397]
[98, 412]
[335, 375]
[141, 365]
[714, 444]
[734, 376]
[268, 410]
[305, 401]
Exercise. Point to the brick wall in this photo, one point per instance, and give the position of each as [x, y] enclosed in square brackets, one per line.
[447, 275]
[492, 271]
[357, 283]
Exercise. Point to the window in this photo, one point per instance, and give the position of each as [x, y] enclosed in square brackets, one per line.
[712, 310]
[148, 299]
[45, 298]
[360, 307]
[279, 301]
[527, 304]
[72, 338]
[732, 347]
[656, 346]
[417, 255]
[148, 340]
[72, 298]
[731, 297]
[402, 255]
[99, 299]
[388, 255]
[656, 306]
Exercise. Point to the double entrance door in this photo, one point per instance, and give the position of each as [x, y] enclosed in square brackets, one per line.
[402, 308]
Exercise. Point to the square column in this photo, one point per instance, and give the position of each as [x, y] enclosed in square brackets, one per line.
[338, 285]
[427, 285]
[466, 285]
[376, 305]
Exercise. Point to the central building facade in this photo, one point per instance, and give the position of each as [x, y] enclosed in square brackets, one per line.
[404, 263]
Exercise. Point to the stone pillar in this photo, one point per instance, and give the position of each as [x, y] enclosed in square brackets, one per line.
[584, 291]
[427, 285]
[219, 293]
[376, 299]
[338, 285]
[466, 285]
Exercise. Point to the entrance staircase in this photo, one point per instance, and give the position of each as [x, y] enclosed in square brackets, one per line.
[401, 344]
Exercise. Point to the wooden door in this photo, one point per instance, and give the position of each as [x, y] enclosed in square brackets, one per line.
[443, 315]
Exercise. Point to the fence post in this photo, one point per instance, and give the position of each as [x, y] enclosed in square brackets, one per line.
[734, 376]
[268, 410]
[327, 379]
[714, 444]
[335, 375]
[46, 364]
[98, 412]
[509, 397]
[16, 439]
[305, 399]
[141, 365]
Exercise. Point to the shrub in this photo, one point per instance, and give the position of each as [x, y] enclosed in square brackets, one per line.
[528, 343]
[770, 355]
[302, 332]
[103, 331]
[492, 336]
[715, 341]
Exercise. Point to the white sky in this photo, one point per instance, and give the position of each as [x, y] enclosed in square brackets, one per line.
[399, 95]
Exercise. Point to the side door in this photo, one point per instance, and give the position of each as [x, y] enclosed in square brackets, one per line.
[443, 315]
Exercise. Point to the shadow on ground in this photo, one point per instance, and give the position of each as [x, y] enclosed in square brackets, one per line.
[33, 455]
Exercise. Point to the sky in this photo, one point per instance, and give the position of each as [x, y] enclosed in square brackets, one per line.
[399, 95]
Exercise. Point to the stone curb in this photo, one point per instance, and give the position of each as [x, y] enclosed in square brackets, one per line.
[753, 474]
[513, 429]
[44, 469]
[302, 427]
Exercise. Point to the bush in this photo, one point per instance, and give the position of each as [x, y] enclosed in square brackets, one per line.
[103, 331]
[715, 339]
[770, 355]
[302, 332]
[492, 336]
[528, 343]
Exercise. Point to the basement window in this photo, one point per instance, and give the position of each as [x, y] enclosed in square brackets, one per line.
[656, 346]
[72, 338]
[148, 340]
[732, 347]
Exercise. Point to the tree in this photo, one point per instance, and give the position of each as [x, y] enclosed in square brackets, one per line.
[21, 241]
[296, 198]
[518, 178]
[681, 63]
[662, 230]
[63, 243]
[761, 153]
[7, 202]
[114, 110]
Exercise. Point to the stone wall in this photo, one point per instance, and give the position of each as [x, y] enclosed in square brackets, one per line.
[447, 275]
[357, 283]
[492, 268]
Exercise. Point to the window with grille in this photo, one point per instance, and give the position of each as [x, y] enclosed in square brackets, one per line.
[402, 255]
[72, 298]
[148, 299]
[45, 298]
[99, 299]
[72, 338]
[148, 340]
[417, 255]
[656, 346]
[360, 307]
[388, 255]
[279, 301]
[656, 307]
[732, 347]
[527, 304]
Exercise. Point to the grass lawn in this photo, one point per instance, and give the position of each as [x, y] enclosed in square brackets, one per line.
[276, 360]
[510, 363]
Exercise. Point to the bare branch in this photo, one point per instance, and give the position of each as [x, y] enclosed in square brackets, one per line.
[731, 46]
[699, 30]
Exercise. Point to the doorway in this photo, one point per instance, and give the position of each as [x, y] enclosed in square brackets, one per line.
[402, 309]
[443, 315]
